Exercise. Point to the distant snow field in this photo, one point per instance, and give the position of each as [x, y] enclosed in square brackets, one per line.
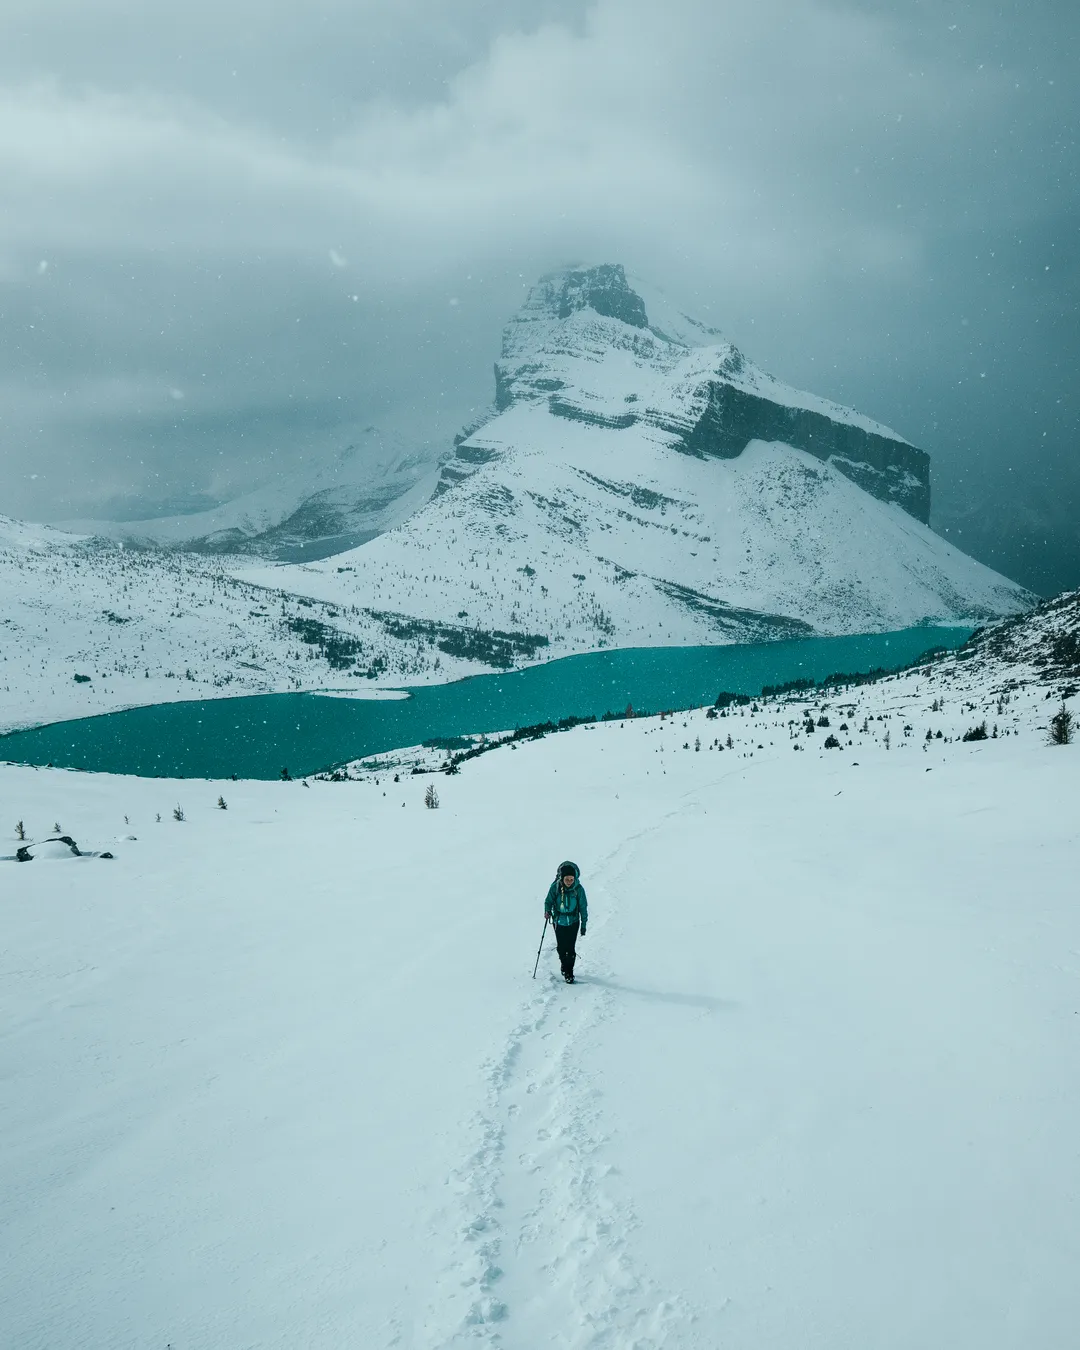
[277, 1074]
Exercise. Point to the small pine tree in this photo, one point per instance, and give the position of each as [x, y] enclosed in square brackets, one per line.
[56, 827]
[178, 813]
[20, 831]
[729, 742]
[222, 804]
[1062, 726]
[431, 798]
[157, 817]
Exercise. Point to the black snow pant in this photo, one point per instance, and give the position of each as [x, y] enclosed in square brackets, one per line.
[566, 941]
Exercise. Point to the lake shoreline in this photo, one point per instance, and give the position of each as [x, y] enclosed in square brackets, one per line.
[262, 735]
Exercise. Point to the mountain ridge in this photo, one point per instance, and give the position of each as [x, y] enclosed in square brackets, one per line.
[312, 512]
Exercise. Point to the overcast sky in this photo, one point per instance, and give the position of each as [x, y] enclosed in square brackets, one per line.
[231, 233]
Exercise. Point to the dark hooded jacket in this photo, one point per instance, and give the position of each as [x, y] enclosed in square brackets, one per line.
[564, 907]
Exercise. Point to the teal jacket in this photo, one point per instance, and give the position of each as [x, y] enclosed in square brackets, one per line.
[564, 907]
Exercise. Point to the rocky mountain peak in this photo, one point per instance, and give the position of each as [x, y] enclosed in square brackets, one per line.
[584, 346]
[603, 289]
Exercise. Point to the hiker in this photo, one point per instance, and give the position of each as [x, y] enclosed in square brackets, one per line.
[568, 911]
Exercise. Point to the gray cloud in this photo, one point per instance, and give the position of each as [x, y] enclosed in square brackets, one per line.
[879, 205]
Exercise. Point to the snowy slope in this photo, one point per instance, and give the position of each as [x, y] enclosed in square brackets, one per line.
[612, 499]
[278, 1075]
[319, 509]
[89, 626]
[596, 541]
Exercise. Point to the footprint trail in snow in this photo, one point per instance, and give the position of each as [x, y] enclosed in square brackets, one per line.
[543, 1220]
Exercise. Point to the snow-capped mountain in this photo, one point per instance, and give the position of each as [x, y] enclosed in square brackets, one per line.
[635, 485]
[311, 512]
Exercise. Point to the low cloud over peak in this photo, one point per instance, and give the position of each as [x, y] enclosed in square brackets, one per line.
[309, 222]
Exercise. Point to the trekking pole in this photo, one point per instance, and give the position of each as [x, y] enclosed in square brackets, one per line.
[541, 947]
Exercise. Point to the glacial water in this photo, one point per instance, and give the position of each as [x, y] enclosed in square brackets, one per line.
[258, 736]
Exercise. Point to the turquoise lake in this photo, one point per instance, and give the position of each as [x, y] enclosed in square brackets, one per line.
[257, 736]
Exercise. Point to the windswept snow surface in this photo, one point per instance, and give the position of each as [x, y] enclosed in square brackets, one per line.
[278, 1075]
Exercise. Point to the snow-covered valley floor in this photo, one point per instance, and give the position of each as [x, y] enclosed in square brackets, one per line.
[277, 1076]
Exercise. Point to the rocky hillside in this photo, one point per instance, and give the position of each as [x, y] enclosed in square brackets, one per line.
[1046, 642]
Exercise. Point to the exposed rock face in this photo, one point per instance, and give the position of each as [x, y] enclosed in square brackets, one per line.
[884, 467]
[714, 402]
[603, 289]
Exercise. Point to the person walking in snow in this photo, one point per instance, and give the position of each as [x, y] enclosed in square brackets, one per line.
[568, 911]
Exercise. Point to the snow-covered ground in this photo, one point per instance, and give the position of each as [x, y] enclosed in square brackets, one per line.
[278, 1076]
[89, 626]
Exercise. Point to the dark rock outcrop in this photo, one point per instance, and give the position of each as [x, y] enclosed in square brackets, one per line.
[891, 470]
[605, 290]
